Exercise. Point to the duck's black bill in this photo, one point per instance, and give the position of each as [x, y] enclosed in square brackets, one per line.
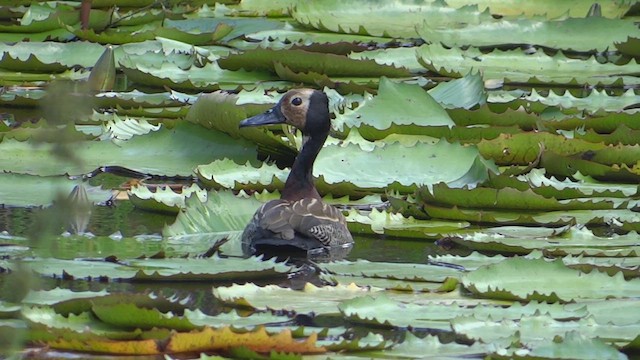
[271, 116]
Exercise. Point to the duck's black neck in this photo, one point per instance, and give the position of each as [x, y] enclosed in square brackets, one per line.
[299, 184]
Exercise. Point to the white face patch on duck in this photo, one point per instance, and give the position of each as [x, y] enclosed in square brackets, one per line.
[295, 106]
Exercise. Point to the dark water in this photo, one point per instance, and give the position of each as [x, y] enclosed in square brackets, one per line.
[125, 220]
[117, 229]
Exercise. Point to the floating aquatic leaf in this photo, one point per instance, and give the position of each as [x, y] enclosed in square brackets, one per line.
[390, 284]
[536, 179]
[559, 165]
[518, 66]
[549, 8]
[227, 174]
[312, 299]
[43, 17]
[122, 129]
[362, 17]
[234, 319]
[532, 330]
[430, 346]
[510, 198]
[47, 56]
[568, 34]
[523, 279]
[381, 310]
[611, 311]
[573, 346]
[397, 225]
[399, 104]
[258, 340]
[356, 165]
[466, 92]
[399, 271]
[176, 152]
[140, 318]
[593, 102]
[164, 198]
[403, 57]
[562, 241]
[300, 60]
[208, 77]
[74, 322]
[137, 98]
[176, 269]
[215, 216]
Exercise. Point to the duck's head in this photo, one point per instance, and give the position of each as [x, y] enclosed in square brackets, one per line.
[305, 109]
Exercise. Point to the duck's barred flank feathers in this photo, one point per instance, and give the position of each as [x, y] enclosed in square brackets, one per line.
[299, 218]
[327, 234]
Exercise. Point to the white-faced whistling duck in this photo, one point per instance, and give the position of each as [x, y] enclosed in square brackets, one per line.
[299, 218]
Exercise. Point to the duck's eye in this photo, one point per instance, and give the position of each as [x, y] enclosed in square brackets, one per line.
[296, 101]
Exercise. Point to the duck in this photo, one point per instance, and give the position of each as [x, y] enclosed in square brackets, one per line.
[299, 219]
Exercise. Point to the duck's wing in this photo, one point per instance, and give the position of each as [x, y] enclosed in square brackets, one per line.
[310, 218]
[321, 221]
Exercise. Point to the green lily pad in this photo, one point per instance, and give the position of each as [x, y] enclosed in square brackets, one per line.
[73, 323]
[535, 329]
[548, 8]
[381, 310]
[49, 57]
[398, 271]
[573, 346]
[568, 34]
[593, 102]
[164, 198]
[391, 284]
[363, 18]
[399, 104]
[524, 279]
[176, 269]
[312, 299]
[299, 60]
[562, 241]
[140, 318]
[510, 198]
[181, 149]
[234, 319]
[397, 225]
[221, 213]
[429, 346]
[208, 77]
[373, 168]
[518, 66]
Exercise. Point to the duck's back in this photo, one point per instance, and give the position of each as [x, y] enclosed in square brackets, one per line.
[306, 224]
